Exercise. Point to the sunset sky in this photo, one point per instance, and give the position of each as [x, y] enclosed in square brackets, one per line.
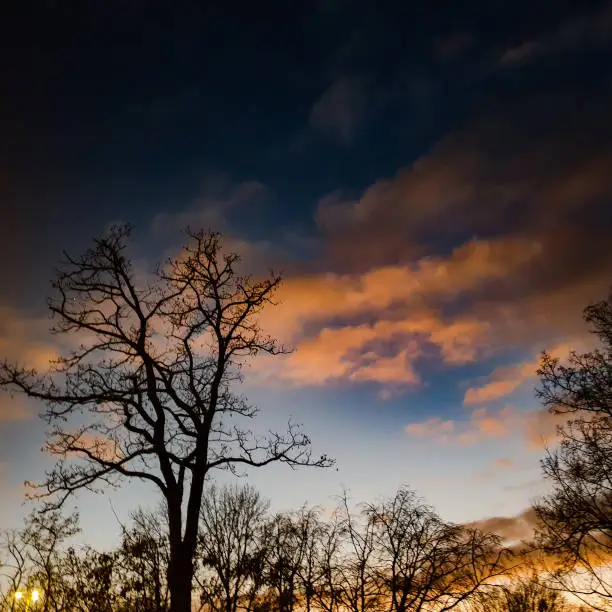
[434, 184]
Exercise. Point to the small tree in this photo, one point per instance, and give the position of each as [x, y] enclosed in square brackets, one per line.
[14, 569]
[356, 585]
[329, 539]
[311, 533]
[44, 534]
[141, 563]
[154, 379]
[526, 594]
[576, 517]
[282, 561]
[90, 581]
[231, 524]
[424, 563]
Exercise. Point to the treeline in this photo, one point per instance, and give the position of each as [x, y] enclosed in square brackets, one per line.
[396, 554]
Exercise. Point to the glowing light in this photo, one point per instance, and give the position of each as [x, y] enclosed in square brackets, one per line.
[35, 595]
[18, 595]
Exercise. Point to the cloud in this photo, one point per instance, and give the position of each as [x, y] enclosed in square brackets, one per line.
[482, 424]
[485, 424]
[537, 428]
[525, 170]
[541, 429]
[505, 380]
[26, 339]
[453, 46]
[14, 409]
[96, 444]
[341, 110]
[592, 28]
[384, 352]
[434, 428]
[374, 326]
[325, 296]
[511, 528]
[521, 53]
[525, 177]
[220, 199]
[493, 470]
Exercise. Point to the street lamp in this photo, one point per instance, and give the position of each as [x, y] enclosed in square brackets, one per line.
[34, 597]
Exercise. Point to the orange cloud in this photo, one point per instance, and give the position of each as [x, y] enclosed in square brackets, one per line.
[496, 175]
[398, 298]
[484, 424]
[525, 289]
[481, 425]
[507, 379]
[541, 429]
[304, 299]
[434, 428]
[26, 339]
[510, 528]
[494, 468]
[538, 428]
[361, 352]
[14, 409]
[503, 463]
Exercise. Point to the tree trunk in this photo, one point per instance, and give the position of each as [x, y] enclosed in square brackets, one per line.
[180, 578]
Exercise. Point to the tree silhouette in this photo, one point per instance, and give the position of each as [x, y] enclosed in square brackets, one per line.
[422, 562]
[576, 517]
[141, 562]
[231, 523]
[149, 393]
[524, 594]
[14, 567]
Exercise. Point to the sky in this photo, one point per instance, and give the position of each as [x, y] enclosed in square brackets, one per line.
[433, 183]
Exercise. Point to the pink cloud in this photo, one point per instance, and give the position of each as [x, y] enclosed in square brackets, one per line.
[482, 424]
[325, 352]
[537, 428]
[14, 409]
[434, 428]
[505, 380]
[26, 339]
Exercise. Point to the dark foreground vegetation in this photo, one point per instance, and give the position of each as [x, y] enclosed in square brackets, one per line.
[396, 554]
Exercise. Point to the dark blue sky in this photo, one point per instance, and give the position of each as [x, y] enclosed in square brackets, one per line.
[119, 109]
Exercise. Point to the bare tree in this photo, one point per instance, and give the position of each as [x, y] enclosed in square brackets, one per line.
[356, 584]
[154, 378]
[141, 563]
[423, 563]
[13, 566]
[283, 558]
[576, 517]
[232, 519]
[90, 584]
[327, 589]
[311, 534]
[44, 534]
[524, 594]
